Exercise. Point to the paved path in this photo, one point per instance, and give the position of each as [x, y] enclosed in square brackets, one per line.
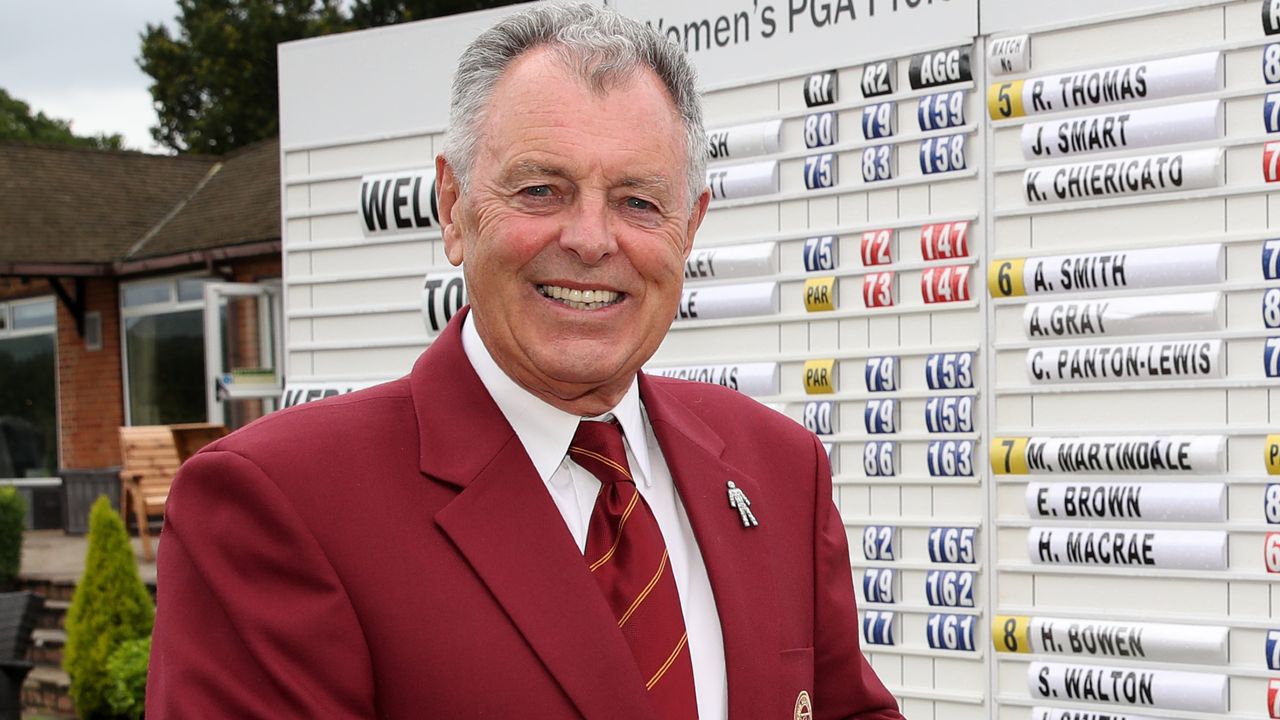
[54, 555]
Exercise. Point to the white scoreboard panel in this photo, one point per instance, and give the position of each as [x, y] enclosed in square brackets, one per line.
[1129, 406]
[1023, 279]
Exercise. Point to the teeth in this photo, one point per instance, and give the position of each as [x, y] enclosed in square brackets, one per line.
[581, 299]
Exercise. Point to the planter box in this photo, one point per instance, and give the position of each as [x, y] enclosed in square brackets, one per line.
[80, 488]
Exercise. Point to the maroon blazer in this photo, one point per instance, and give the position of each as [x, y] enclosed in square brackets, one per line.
[392, 553]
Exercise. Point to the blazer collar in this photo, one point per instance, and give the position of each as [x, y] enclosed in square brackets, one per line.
[739, 559]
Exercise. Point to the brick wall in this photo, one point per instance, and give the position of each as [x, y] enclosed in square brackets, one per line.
[90, 393]
[12, 288]
[90, 384]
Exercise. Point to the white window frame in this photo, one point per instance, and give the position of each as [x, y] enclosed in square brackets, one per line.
[8, 332]
[171, 305]
[6, 311]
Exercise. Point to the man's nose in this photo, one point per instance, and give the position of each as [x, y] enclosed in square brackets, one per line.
[588, 231]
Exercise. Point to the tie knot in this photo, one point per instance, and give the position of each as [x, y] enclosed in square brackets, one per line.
[597, 446]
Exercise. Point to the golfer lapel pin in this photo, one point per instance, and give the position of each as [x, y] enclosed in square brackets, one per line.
[740, 501]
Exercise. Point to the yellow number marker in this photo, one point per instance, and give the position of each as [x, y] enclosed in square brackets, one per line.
[1011, 633]
[1009, 455]
[820, 377]
[1004, 100]
[1004, 277]
[820, 294]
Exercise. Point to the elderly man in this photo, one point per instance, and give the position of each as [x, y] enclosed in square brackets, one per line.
[527, 526]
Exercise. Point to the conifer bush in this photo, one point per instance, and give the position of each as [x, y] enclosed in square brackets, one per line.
[110, 606]
[127, 669]
[13, 514]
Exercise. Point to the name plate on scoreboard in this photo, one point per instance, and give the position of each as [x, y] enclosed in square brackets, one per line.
[1145, 268]
[1155, 642]
[305, 392]
[1134, 82]
[755, 379]
[443, 294]
[727, 301]
[1148, 315]
[1133, 455]
[1128, 548]
[1196, 359]
[1142, 175]
[1123, 130]
[741, 141]
[1166, 689]
[1164, 502]
[1047, 713]
[399, 203]
[732, 261]
[733, 182]
[1009, 55]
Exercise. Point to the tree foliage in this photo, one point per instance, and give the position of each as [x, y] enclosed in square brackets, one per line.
[17, 123]
[215, 79]
[373, 13]
[215, 83]
[13, 515]
[127, 670]
[109, 607]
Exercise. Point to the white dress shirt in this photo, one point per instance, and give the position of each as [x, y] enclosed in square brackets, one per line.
[546, 432]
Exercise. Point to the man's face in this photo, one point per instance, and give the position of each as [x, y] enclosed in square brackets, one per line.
[574, 229]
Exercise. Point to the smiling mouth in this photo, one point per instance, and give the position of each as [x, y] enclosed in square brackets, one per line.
[581, 299]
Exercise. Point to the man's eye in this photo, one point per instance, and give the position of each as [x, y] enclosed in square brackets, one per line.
[538, 191]
[636, 203]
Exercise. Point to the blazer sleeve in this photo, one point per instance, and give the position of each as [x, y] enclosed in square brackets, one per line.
[251, 618]
[845, 685]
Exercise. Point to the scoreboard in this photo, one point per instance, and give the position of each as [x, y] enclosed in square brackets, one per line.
[1015, 262]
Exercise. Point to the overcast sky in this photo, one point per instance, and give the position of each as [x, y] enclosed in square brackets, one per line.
[77, 60]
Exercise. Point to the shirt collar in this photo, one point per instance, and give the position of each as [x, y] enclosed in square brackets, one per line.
[545, 430]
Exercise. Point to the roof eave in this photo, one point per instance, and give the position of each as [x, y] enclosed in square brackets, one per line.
[122, 268]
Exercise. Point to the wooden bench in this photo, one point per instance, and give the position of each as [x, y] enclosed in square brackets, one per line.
[151, 456]
[18, 614]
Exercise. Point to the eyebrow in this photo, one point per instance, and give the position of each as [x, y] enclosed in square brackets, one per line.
[654, 183]
[528, 168]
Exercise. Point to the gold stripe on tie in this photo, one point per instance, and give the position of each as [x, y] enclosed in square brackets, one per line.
[667, 665]
[603, 459]
[645, 593]
[621, 522]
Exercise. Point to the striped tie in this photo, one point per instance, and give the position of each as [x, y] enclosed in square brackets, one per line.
[626, 554]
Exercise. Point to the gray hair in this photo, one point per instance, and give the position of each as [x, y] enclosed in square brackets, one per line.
[602, 46]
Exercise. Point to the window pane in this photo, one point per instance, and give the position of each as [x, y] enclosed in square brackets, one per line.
[166, 368]
[191, 289]
[28, 407]
[146, 293]
[34, 315]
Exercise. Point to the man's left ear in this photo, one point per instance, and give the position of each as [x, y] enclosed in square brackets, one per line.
[448, 195]
[695, 219]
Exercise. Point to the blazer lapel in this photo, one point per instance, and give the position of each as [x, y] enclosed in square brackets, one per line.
[738, 558]
[505, 524]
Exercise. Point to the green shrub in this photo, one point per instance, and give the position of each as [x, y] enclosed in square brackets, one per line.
[127, 670]
[13, 520]
[110, 606]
